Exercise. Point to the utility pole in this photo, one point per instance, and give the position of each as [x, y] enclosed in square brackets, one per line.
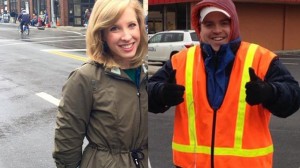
[53, 24]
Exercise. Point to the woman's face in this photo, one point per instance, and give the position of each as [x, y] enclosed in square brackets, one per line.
[215, 30]
[123, 38]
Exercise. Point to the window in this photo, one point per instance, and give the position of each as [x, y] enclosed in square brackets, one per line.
[173, 37]
[43, 5]
[156, 38]
[13, 5]
[194, 36]
[23, 4]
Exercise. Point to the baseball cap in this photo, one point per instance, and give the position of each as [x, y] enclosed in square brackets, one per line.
[209, 9]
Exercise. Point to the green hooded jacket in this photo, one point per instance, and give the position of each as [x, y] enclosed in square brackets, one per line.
[106, 107]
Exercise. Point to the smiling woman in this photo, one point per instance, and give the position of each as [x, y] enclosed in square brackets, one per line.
[97, 48]
[123, 38]
[105, 100]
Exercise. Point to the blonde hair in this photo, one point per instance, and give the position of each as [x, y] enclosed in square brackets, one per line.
[104, 14]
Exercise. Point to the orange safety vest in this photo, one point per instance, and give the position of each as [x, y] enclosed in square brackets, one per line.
[237, 134]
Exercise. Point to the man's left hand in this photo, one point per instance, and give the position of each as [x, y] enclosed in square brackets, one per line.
[257, 91]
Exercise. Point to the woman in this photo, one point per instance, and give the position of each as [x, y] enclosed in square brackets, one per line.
[105, 100]
[86, 17]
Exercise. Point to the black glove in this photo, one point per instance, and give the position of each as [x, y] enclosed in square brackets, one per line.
[258, 91]
[171, 93]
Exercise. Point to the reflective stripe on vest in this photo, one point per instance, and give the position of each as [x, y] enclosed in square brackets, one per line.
[237, 149]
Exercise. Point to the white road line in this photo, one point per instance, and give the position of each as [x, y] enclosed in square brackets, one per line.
[43, 38]
[7, 40]
[48, 98]
[294, 58]
[63, 50]
[289, 63]
[73, 32]
[37, 42]
[149, 164]
[57, 37]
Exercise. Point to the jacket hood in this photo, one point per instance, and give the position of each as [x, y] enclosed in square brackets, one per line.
[226, 5]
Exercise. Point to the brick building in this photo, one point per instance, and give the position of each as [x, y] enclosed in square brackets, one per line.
[66, 12]
[273, 24]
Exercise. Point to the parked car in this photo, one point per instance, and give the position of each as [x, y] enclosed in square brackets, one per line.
[163, 45]
[149, 36]
[5, 18]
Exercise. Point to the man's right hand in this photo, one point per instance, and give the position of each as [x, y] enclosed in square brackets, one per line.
[171, 93]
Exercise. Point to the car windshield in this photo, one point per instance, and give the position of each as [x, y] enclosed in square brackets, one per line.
[173, 37]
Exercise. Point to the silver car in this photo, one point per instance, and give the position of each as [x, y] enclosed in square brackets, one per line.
[5, 18]
[162, 45]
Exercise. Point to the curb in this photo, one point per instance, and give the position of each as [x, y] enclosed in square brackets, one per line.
[80, 30]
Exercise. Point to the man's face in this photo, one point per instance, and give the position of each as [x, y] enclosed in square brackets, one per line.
[215, 29]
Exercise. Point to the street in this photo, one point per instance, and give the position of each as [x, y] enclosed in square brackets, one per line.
[33, 70]
[32, 73]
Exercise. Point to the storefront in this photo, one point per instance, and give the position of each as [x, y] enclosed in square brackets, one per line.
[168, 17]
[280, 32]
[76, 11]
[66, 12]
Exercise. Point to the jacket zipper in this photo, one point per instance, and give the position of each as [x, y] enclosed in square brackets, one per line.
[140, 109]
[214, 122]
[138, 94]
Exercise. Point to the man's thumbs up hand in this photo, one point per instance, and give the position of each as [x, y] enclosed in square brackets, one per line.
[257, 91]
[253, 76]
[171, 94]
[172, 76]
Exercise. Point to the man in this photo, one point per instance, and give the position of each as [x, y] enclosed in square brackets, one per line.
[13, 15]
[225, 91]
[34, 20]
[23, 18]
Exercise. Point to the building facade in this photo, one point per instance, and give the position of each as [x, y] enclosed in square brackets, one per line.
[64, 13]
[273, 24]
